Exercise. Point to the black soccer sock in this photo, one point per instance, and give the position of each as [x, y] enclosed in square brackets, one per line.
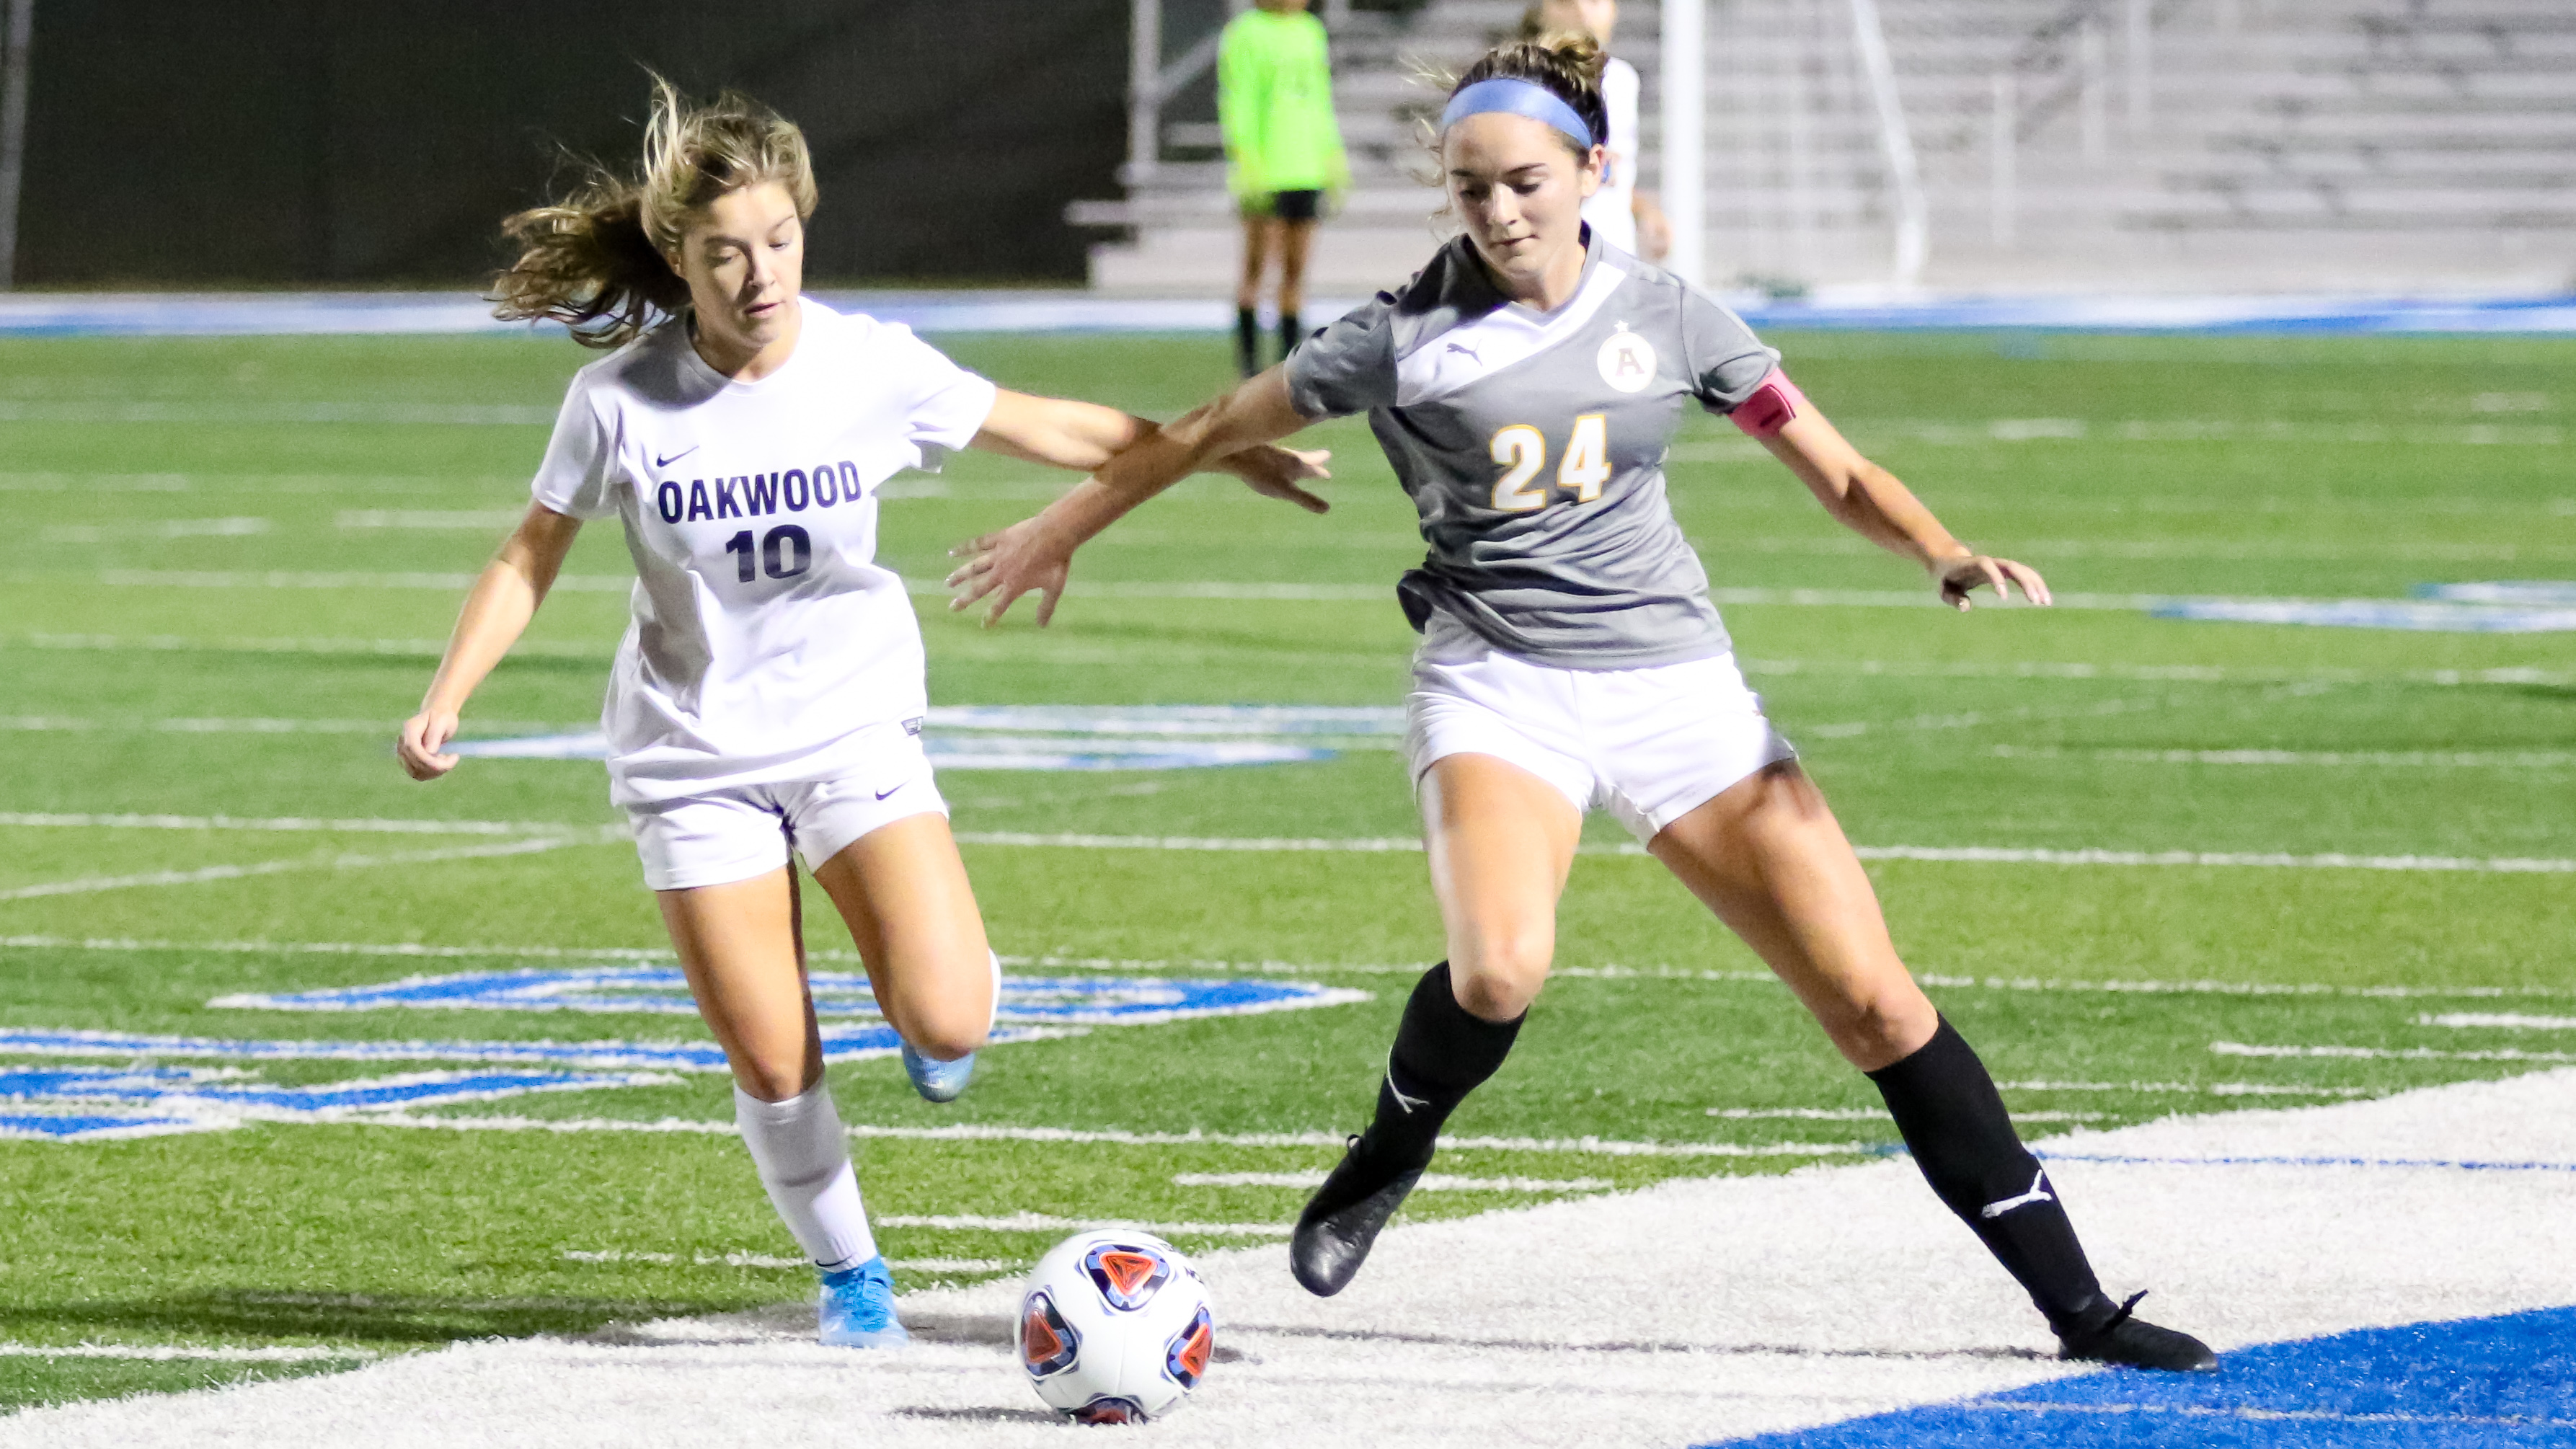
[1291, 332]
[1442, 1052]
[1247, 340]
[1955, 1124]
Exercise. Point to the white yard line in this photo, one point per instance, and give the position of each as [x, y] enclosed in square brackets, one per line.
[1429, 1182]
[300, 824]
[2174, 673]
[1129, 966]
[739, 1258]
[1046, 1223]
[602, 651]
[2397, 1054]
[2506, 1021]
[1081, 1136]
[289, 579]
[1870, 1114]
[184, 1353]
[248, 726]
[93, 884]
[2345, 759]
[1951, 854]
[2215, 1089]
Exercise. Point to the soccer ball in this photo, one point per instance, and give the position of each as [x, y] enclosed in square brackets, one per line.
[1114, 1328]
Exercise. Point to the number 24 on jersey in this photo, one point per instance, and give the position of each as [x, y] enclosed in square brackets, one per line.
[1522, 450]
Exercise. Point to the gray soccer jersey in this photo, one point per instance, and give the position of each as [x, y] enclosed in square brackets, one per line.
[1533, 447]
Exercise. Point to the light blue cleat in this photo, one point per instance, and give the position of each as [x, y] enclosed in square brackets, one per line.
[857, 1308]
[937, 1081]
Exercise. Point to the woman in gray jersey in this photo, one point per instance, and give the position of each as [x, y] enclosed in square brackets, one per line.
[1526, 385]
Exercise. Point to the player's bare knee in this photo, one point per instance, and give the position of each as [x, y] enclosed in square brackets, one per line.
[771, 1079]
[1882, 1028]
[1500, 984]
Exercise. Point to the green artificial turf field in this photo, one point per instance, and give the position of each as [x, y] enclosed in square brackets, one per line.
[235, 560]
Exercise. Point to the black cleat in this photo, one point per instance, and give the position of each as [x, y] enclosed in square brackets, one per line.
[2105, 1334]
[1342, 1220]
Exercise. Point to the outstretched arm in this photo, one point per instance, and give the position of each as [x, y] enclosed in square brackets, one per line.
[1868, 500]
[1065, 433]
[1033, 555]
[497, 611]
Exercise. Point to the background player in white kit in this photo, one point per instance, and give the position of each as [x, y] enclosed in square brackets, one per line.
[1626, 215]
[769, 692]
[1526, 386]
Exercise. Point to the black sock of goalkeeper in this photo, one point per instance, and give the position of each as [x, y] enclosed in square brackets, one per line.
[1247, 340]
[1291, 332]
[1954, 1122]
[1442, 1052]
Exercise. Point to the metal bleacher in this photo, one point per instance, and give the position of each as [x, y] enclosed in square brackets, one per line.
[2138, 145]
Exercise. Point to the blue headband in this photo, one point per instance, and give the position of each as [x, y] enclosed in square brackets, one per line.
[1514, 97]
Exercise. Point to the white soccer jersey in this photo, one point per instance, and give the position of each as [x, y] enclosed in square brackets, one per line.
[766, 637]
[1611, 210]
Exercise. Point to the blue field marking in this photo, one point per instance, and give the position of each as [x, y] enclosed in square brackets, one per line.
[842, 1042]
[2503, 1381]
[2433, 616]
[664, 991]
[1871, 309]
[2524, 593]
[78, 1104]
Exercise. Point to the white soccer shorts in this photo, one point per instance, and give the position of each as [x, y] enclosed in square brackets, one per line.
[1648, 745]
[746, 830]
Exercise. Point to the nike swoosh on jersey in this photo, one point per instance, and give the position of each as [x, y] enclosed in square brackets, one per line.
[662, 462]
[881, 794]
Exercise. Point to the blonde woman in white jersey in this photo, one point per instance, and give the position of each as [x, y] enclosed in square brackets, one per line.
[1526, 386]
[769, 694]
[1627, 216]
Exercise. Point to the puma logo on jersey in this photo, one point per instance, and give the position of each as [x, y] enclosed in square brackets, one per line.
[2038, 1193]
[661, 462]
[1463, 347]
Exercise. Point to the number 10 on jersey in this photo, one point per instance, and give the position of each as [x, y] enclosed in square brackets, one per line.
[1522, 450]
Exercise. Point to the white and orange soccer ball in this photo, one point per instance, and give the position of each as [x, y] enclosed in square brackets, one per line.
[1115, 1327]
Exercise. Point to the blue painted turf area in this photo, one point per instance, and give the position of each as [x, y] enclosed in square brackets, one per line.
[2504, 1381]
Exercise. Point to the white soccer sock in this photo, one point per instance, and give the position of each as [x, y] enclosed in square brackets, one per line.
[804, 1161]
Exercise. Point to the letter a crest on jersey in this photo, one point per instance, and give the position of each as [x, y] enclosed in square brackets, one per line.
[1627, 361]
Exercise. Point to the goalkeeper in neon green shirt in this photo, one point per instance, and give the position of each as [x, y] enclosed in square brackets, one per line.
[1283, 151]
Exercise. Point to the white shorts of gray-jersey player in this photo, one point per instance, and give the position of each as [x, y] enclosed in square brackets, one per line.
[1525, 386]
[739, 432]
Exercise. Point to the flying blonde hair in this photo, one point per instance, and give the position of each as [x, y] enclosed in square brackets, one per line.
[597, 261]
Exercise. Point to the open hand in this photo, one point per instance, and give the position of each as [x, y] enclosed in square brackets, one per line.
[1274, 472]
[1021, 559]
[1960, 575]
[423, 736]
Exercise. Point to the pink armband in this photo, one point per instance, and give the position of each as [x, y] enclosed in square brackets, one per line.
[1770, 407]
